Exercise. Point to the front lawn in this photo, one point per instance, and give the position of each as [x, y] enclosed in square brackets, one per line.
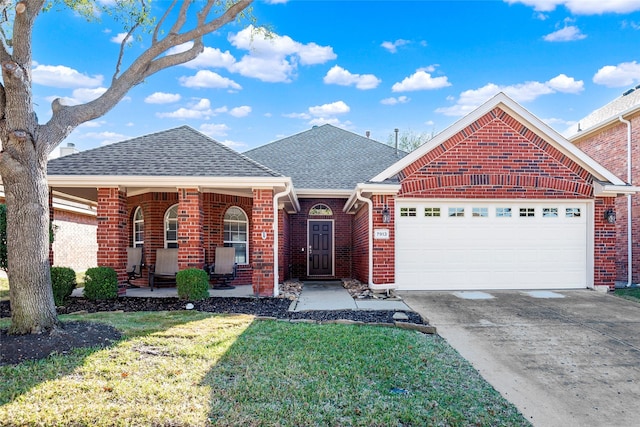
[196, 369]
[632, 294]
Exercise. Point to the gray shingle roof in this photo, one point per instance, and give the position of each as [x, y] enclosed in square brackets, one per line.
[182, 151]
[326, 157]
[604, 114]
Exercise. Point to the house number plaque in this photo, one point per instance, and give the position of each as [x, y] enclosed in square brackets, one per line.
[381, 233]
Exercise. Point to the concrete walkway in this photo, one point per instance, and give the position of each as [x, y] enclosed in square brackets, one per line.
[333, 296]
[564, 358]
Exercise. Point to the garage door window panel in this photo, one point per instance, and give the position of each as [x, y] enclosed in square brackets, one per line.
[573, 213]
[431, 212]
[480, 212]
[503, 212]
[456, 212]
[527, 212]
[408, 212]
[550, 212]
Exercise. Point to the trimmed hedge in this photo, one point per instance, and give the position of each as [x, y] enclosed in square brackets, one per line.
[101, 283]
[193, 284]
[63, 282]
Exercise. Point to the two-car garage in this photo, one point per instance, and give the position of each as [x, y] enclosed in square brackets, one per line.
[502, 244]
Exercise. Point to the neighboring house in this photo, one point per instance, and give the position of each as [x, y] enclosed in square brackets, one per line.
[74, 226]
[611, 135]
[497, 201]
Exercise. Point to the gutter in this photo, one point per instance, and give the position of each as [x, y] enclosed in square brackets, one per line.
[629, 218]
[372, 286]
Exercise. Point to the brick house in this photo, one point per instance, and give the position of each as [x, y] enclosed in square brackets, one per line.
[497, 201]
[611, 135]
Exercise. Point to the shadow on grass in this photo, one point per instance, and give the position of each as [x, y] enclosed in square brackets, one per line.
[21, 378]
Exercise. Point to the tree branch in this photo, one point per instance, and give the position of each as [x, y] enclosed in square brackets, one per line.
[121, 53]
[154, 40]
[67, 118]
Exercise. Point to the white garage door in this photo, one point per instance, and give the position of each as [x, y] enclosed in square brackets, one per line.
[505, 245]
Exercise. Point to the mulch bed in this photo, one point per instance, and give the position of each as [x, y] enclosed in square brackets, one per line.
[16, 349]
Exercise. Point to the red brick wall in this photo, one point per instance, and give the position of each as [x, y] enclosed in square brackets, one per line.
[342, 227]
[604, 245]
[609, 147]
[383, 249]
[112, 233]
[262, 248]
[190, 230]
[496, 157]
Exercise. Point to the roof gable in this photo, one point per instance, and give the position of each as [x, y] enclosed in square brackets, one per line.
[181, 151]
[523, 121]
[326, 157]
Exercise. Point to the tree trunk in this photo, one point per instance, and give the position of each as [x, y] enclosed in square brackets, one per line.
[27, 197]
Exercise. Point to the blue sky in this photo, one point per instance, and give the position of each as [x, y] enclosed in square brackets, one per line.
[361, 65]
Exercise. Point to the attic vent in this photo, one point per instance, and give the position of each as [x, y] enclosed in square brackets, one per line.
[628, 92]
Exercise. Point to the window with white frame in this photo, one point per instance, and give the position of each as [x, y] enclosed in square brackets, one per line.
[236, 233]
[503, 212]
[480, 212]
[456, 212]
[171, 227]
[320, 209]
[138, 228]
[431, 211]
[527, 212]
[408, 212]
[550, 212]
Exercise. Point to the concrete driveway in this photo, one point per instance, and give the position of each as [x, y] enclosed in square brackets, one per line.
[564, 358]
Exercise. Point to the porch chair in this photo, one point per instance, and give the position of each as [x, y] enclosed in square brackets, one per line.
[165, 268]
[224, 267]
[134, 265]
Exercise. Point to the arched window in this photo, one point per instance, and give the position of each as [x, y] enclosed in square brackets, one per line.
[235, 233]
[171, 227]
[138, 228]
[320, 209]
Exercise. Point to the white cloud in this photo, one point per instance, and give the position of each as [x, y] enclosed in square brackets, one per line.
[583, 7]
[242, 111]
[79, 96]
[119, 38]
[275, 58]
[93, 124]
[209, 58]
[393, 46]
[63, 77]
[338, 107]
[162, 98]
[393, 101]
[630, 24]
[552, 121]
[566, 34]
[208, 79]
[471, 99]
[276, 1]
[319, 121]
[623, 74]
[303, 116]
[214, 130]
[339, 76]
[105, 138]
[420, 80]
[185, 113]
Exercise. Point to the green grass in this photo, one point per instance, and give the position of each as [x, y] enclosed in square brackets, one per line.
[632, 294]
[198, 369]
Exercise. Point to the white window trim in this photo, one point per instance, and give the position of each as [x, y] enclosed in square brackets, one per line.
[166, 222]
[231, 242]
[136, 222]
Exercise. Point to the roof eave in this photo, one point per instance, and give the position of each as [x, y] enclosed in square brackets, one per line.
[369, 189]
[98, 181]
[605, 189]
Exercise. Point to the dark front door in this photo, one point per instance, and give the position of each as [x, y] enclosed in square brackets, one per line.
[320, 248]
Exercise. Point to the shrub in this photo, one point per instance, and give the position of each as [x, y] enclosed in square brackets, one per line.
[193, 284]
[100, 283]
[63, 282]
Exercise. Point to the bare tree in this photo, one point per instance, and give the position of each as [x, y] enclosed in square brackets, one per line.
[26, 144]
[409, 140]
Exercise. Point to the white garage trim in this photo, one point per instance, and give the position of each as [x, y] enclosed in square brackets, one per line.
[494, 244]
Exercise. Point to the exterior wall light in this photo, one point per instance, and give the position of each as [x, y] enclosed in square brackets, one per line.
[386, 216]
[610, 216]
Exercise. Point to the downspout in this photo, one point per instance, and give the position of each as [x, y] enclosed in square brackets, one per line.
[373, 286]
[276, 245]
[629, 218]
